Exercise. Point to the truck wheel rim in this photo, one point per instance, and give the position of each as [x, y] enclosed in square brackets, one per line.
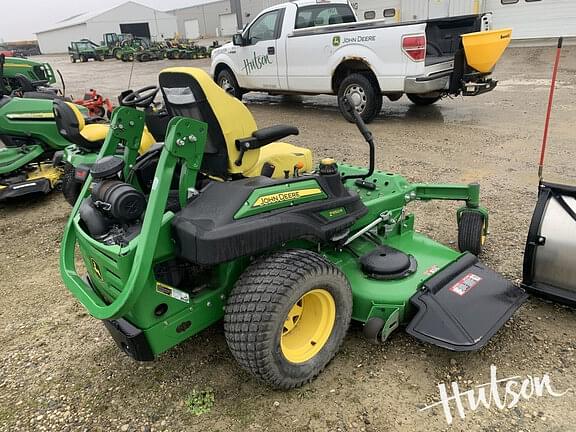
[226, 85]
[308, 326]
[358, 96]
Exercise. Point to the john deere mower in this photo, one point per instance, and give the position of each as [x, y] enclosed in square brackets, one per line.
[30, 138]
[27, 78]
[33, 137]
[287, 255]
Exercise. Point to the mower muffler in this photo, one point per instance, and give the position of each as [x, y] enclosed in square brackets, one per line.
[462, 306]
[549, 269]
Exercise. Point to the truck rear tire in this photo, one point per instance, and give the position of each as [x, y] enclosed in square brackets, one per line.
[227, 81]
[424, 99]
[365, 94]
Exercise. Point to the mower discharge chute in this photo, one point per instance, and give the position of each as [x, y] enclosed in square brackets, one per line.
[286, 256]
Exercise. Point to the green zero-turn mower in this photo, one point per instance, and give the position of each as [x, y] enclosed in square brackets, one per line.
[285, 261]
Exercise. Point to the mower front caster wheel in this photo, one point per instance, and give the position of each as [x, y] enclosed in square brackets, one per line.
[287, 316]
[471, 232]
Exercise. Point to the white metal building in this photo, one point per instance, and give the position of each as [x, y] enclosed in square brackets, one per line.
[129, 17]
[210, 18]
[528, 18]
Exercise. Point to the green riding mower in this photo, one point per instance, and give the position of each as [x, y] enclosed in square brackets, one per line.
[285, 254]
[154, 51]
[30, 138]
[23, 75]
[37, 133]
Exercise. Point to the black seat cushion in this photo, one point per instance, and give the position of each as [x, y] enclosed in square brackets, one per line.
[206, 232]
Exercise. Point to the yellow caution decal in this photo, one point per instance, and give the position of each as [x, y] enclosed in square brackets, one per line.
[96, 269]
[285, 196]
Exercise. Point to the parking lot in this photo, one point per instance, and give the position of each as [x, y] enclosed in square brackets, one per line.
[60, 370]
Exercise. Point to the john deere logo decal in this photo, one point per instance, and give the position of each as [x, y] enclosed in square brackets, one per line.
[336, 41]
[96, 269]
[285, 196]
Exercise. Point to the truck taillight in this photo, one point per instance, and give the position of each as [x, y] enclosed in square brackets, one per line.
[414, 47]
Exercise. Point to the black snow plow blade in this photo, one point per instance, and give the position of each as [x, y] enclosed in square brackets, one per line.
[463, 306]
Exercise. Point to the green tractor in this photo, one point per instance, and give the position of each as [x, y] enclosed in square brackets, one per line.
[224, 222]
[83, 51]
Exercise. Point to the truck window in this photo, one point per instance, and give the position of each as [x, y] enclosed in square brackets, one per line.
[264, 27]
[320, 15]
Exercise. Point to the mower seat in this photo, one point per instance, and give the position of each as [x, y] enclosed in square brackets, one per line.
[215, 226]
[190, 92]
[72, 125]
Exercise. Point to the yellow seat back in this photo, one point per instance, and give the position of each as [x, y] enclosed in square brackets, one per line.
[230, 118]
[78, 115]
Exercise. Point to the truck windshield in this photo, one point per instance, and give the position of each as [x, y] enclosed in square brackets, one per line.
[321, 15]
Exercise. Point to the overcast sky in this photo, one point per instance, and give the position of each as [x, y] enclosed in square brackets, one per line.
[20, 19]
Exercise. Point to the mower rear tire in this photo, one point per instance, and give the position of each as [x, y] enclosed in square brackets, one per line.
[424, 99]
[101, 57]
[227, 81]
[471, 232]
[83, 59]
[287, 316]
[364, 92]
[71, 187]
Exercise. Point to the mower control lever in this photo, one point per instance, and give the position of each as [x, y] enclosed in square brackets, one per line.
[349, 106]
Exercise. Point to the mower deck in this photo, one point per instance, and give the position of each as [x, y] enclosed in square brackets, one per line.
[41, 179]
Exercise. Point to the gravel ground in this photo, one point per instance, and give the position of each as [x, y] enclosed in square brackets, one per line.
[60, 371]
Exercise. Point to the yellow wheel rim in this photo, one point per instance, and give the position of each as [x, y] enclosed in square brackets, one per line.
[308, 326]
[483, 236]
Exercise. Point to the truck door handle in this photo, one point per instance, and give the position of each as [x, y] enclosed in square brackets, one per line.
[271, 50]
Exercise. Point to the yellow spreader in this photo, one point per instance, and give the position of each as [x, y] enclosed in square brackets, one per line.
[484, 49]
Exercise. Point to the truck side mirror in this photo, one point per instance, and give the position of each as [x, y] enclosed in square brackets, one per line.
[238, 40]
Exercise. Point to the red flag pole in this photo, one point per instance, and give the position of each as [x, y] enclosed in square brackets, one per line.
[549, 110]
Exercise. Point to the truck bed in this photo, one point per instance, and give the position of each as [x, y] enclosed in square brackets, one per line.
[443, 36]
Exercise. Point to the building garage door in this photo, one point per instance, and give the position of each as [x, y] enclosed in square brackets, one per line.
[136, 29]
[228, 24]
[192, 29]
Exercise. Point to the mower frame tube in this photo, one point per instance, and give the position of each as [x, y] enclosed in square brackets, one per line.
[129, 132]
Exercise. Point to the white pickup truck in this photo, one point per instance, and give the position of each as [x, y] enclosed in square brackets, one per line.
[319, 47]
